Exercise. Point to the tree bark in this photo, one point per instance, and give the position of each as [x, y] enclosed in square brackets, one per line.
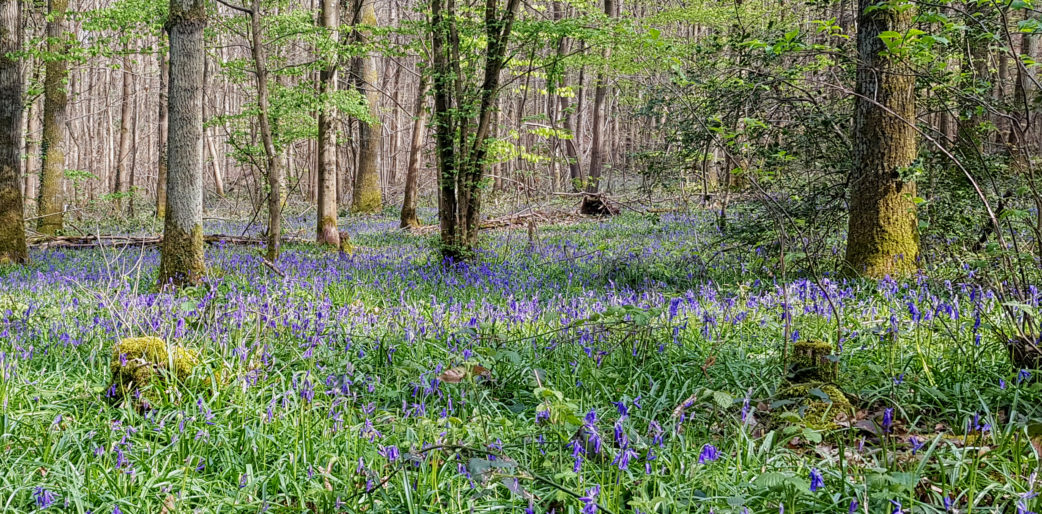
[12, 222]
[883, 236]
[50, 206]
[182, 251]
[123, 159]
[326, 232]
[367, 197]
[273, 164]
[412, 172]
[161, 175]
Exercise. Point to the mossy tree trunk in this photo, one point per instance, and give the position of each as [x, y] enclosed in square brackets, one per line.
[55, 101]
[412, 171]
[326, 231]
[182, 251]
[367, 197]
[883, 236]
[461, 139]
[12, 219]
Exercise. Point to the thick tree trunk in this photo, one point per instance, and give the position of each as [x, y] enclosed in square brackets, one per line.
[182, 252]
[412, 172]
[12, 222]
[367, 197]
[123, 162]
[164, 85]
[326, 232]
[883, 236]
[273, 164]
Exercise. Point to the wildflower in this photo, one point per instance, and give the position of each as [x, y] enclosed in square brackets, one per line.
[623, 410]
[623, 460]
[115, 510]
[853, 506]
[916, 444]
[391, 453]
[542, 415]
[43, 497]
[709, 454]
[242, 480]
[1023, 375]
[1002, 384]
[816, 480]
[590, 500]
[888, 419]
[897, 507]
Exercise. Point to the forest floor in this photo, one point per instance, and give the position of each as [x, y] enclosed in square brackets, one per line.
[630, 364]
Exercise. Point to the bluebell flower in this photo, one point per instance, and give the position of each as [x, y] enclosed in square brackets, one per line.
[43, 497]
[916, 444]
[897, 507]
[888, 419]
[708, 454]
[1023, 375]
[590, 500]
[816, 480]
[853, 506]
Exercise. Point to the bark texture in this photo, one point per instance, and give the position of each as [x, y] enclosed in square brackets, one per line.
[164, 86]
[55, 103]
[367, 197]
[272, 159]
[412, 171]
[182, 251]
[12, 222]
[883, 236]
[123, 183]
[326, 232]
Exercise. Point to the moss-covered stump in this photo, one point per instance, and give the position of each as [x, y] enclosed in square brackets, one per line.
[820, 404]
[138, 361]
[811, 361]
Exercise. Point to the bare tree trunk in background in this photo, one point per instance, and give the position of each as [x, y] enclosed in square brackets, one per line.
[326, 232]
[367, 197]
[272, 164]
[211, 147]
[182, 251]
[883, 237]
[32, 151]
[12, 222]
[123, 163]
[164, 86]
[597, 144]
[412, 171]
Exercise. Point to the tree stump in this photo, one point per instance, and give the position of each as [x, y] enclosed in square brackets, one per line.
[139, 361]
[812, 361]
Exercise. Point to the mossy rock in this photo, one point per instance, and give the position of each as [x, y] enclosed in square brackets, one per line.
[818, 412]
[139, 361]
[812, 361]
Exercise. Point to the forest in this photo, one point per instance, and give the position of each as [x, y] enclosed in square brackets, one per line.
[552, 256]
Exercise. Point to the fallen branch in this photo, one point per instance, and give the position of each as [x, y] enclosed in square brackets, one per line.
[94, 241]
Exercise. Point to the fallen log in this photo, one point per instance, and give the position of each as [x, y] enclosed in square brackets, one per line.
[95, 241]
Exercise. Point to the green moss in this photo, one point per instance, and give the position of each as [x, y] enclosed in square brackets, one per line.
[818, 413]
[810, 362]
[182, 257]
[138, 361]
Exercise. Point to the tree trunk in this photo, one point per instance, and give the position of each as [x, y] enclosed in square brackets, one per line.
[182, 251]
[164, 85]
[882, 238]
[12, 222]
[123, 163]
[367, 197]
[412, 172]
[326, 232]
[592, 205]
[273, 164]
[461, 167]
